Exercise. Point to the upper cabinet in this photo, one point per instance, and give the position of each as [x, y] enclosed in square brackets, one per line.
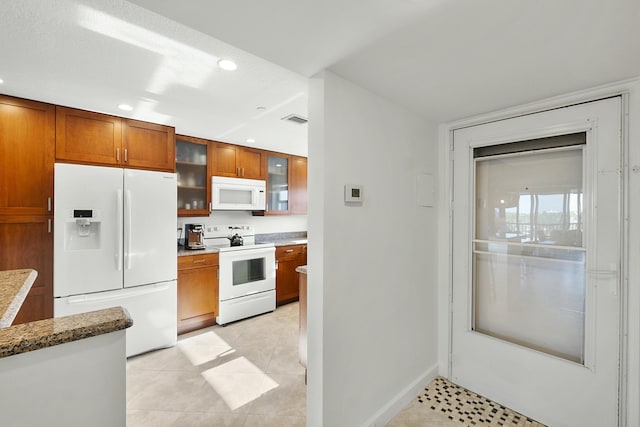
[252, 163]
[27, 144]
[298, 185]
[149, 145]
[285, 174]
[192, 168]
[278, 183]
[286, 184]
[94, 138]
[240, 162]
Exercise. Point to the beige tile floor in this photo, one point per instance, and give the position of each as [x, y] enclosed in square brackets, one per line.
[243, 375]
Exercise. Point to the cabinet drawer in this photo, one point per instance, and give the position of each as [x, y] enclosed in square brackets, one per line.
[290, 251]
[197, 261]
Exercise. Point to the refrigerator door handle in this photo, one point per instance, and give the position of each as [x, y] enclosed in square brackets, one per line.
[91, 298]
[120, 229]
[127, 221]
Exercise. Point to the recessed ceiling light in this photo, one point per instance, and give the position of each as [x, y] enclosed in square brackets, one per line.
[251, 140]
[125, 107]
[227, 64]
[1, 81]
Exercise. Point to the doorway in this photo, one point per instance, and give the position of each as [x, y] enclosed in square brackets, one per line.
[536, 263]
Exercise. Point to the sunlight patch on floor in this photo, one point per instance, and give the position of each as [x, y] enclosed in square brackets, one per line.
[239, 382]
[204, 348]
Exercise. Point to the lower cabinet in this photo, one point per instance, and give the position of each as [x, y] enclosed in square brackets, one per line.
[288, 258]
[197, 291]
[27, 242]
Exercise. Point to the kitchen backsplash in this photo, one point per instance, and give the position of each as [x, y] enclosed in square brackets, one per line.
[261, 224]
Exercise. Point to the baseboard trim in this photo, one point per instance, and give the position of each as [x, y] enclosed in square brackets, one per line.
[402, 399]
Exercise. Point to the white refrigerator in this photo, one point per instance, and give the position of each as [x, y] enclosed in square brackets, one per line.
[115, 245]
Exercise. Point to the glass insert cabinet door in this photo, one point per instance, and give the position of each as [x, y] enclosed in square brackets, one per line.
[192, 176]
[278, 184]
[529, 279]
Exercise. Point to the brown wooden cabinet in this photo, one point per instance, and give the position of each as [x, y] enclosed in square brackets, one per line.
[298, 185]
[27, 143]
[27, 242]
[94, 138]
[149, 146]
[286, 184]
[237, 161]
[27, 151]
[193, 165]
[252, 163]
[197, 291]
[288, 258]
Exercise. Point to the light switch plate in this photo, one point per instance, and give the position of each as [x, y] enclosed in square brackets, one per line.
[353, 193]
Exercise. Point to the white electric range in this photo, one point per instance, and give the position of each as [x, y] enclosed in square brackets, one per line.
[247, 273]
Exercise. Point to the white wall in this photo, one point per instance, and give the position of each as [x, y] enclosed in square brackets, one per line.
[630, 415]
[372, 268]
[261, 224]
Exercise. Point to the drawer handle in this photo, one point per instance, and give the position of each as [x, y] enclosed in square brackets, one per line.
[196, 261]
[289, 250]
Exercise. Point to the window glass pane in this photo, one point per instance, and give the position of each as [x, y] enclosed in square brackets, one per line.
[278, 183]
[248, 270]
[528, 259]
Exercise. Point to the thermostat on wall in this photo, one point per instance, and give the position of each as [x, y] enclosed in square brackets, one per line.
[353, 193]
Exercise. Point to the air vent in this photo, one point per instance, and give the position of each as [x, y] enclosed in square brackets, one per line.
[294, 118]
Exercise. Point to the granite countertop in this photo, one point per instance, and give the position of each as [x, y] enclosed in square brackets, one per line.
[49, 332]
[283, 239]
[14, 287]
[302, 269]
[287, 242]
[187, 252]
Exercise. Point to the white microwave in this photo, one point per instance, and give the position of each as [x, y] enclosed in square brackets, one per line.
[238, 194]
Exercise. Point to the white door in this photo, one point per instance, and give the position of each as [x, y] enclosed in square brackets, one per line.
[87, 254]
[536, 263]
[150, 215]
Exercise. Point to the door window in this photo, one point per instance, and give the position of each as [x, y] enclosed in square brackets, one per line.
[528, 257]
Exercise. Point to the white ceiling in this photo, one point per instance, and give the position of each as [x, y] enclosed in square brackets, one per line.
[96, 54]
[444, 59]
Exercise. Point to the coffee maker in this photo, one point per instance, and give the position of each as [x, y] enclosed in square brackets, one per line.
[194, 236]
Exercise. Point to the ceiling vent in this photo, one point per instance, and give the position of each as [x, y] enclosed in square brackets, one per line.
[294, 118]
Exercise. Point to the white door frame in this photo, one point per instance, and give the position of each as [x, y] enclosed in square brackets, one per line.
[629, 387]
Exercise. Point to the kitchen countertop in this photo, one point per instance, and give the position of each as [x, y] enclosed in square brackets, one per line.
[14, 287]
[187, 252]
[288, 242]
[302, 269]
[49, 332]
[16, 339]
[214, 250]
